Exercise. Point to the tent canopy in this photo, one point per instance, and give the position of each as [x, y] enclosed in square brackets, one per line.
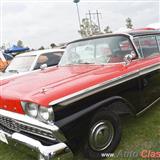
[15, 48]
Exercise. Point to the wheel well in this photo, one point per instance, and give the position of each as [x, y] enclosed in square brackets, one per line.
[118, 107]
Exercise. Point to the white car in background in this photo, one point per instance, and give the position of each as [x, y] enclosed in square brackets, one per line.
[155, 26]
[31, 61]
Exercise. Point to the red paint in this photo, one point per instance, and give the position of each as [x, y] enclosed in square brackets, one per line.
[42, 87]
[147, 29]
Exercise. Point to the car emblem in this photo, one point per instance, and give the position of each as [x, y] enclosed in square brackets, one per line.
[43, 90]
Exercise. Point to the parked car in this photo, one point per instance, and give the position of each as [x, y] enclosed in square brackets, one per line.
[4, 60]
[155, 26]
[31, 61]
[98, 80]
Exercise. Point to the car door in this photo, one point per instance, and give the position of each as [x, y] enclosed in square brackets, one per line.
[149, 71]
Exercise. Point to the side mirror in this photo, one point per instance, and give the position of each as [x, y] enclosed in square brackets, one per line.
[43, 66]
[129, 57]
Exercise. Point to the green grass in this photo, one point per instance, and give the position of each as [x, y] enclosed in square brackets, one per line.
[138, 134]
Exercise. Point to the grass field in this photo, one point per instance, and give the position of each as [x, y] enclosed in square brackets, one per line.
[138, 134]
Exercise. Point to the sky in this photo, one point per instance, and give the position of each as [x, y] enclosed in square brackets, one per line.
[40, 23]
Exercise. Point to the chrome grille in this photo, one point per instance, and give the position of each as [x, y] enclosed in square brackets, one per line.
[16, 126]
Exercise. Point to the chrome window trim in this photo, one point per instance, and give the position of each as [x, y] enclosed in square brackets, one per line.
[134, 47]
[158, 43]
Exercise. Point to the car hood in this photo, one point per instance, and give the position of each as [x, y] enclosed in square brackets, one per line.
[42, 87]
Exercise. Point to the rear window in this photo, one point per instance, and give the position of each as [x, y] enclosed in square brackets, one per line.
[147, 46]
[51, 59]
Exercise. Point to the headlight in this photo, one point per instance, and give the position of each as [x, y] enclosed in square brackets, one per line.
[46, 114]
[31, 109]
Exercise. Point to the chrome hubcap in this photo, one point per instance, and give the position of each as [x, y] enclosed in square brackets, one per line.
[101, 135]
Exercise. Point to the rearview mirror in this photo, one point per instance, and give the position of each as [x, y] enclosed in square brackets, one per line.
[129, 57]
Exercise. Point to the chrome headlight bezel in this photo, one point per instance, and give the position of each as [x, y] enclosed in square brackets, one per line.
[42, 113]
[46, 114]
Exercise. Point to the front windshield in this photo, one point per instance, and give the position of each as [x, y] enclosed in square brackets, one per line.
[97, 51]
[20, 64]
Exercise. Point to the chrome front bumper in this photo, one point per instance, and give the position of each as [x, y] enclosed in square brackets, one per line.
[44, 152]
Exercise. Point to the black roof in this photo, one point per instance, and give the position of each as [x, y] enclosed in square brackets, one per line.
[133, 33]
[143, 32]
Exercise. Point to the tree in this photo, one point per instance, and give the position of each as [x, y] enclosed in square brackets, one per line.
[53, 45]
[88, 28]
[129, 23]
[41, 48]
[20, 43]
[76, 1]
[107, 30]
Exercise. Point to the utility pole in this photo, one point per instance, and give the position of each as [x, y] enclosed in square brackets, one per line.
[79, 20]
[90, 19]
[98, 19]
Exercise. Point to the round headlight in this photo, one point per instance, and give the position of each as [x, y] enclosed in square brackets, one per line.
[32, 109]
[46, 114]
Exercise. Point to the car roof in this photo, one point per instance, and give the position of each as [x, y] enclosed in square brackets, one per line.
[39, 52]
[127, 34]
[143, 32]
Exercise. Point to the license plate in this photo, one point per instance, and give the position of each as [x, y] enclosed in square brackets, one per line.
[3, 138]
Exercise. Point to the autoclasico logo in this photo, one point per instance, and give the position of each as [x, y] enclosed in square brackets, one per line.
[150, 154]
[145, 154]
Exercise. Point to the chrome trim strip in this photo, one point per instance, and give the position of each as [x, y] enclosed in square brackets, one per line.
[146, 108]
[135, 47]
[107, 84]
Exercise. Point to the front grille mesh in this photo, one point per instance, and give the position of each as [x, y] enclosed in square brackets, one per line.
[12, 125]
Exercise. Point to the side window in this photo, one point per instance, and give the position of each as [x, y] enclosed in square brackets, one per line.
[50, 59]
[123, 48]
[149, 46]
[53, 58]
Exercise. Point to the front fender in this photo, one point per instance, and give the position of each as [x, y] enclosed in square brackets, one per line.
[63, 122]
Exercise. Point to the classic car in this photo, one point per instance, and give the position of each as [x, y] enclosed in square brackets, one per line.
[30, 61]
[98, 80]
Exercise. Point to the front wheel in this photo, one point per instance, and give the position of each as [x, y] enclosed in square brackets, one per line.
[104, 135]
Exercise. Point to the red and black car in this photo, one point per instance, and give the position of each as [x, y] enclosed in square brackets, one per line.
[98, 80]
